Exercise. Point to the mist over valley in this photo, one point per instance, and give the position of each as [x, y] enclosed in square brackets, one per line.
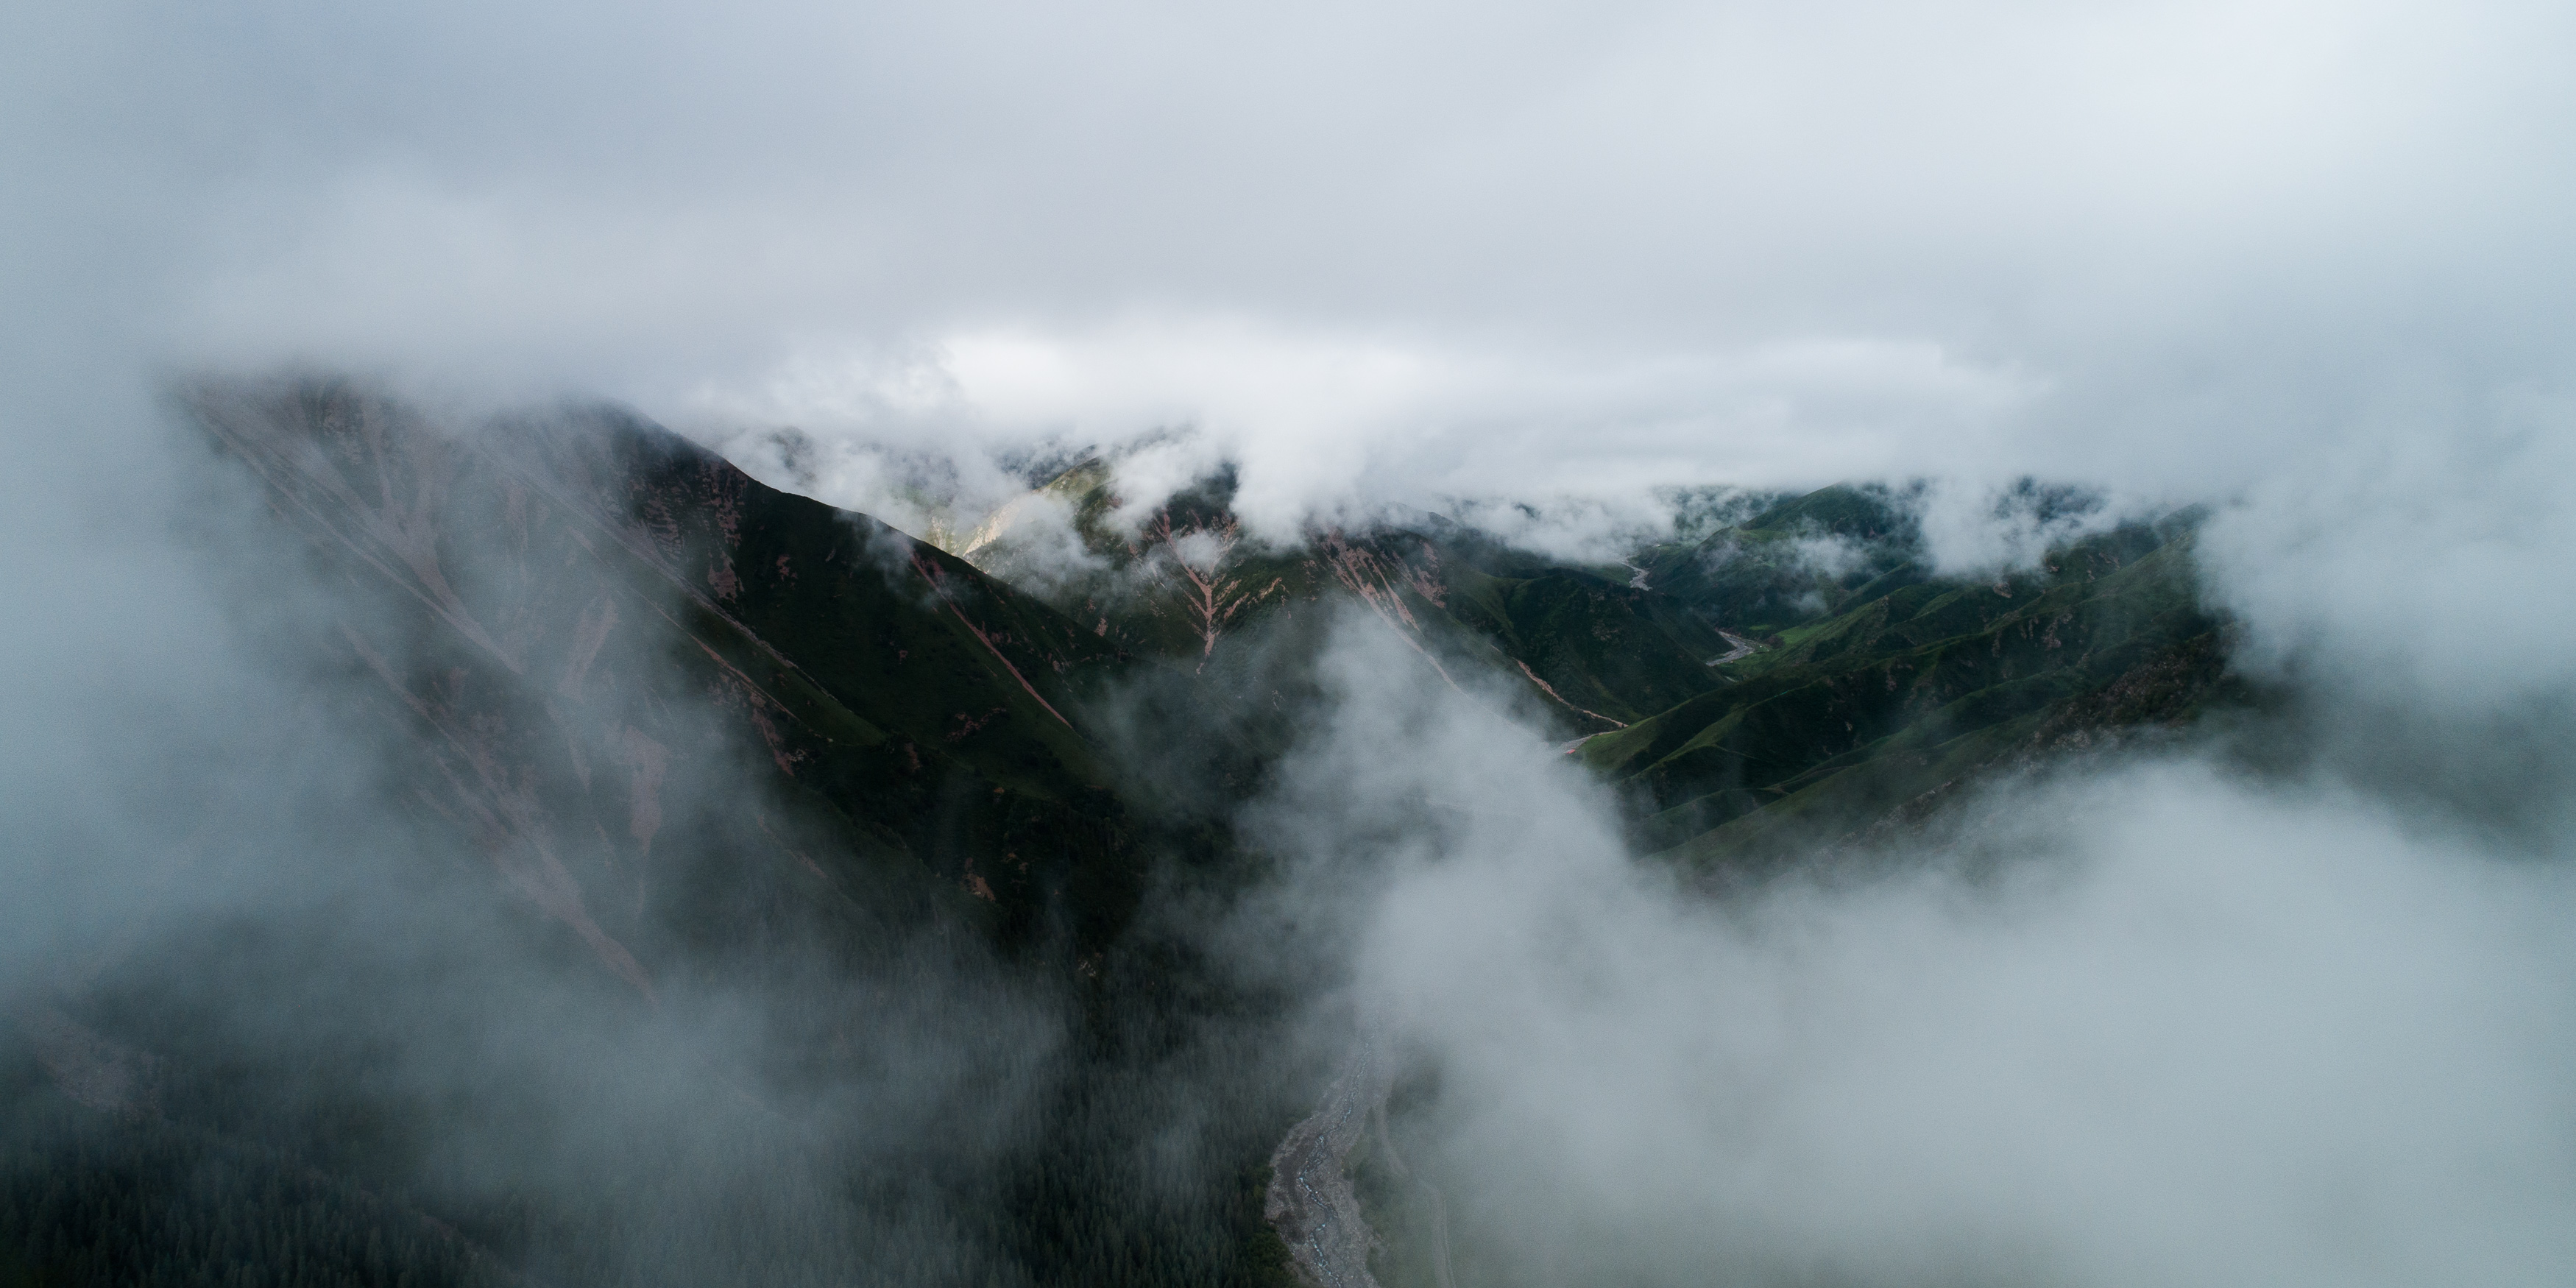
[1361, 648]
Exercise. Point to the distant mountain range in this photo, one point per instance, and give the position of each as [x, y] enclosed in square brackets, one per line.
[1804, 664]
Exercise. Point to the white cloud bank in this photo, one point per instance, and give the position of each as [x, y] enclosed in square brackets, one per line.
[2173, 248]
[2155, 1024]
[1318, 423]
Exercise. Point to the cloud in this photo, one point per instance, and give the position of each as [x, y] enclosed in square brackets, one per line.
[393, 935]
[2150, 1023]
[1414, 251]
[2417, 562]
[2305, 262]
[1321, 425]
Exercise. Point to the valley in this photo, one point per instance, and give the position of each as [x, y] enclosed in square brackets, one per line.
[727, 741]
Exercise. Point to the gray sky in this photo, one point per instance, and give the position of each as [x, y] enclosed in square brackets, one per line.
[1392, 250]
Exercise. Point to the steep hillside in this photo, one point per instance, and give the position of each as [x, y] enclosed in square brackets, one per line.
[1801, 664]
[1914, 684]
[816, 887]
[1796, 560]
[582, 618]
[1181, 581]
[715, 739]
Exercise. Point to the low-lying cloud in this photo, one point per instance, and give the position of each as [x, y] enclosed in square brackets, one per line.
[2169, 250]
[2175, 1019]
[2145, 1021]
[2280, 1004]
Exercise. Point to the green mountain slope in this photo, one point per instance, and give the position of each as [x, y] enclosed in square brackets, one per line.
[1796, 560]
[1917, 683]
[1183, 580]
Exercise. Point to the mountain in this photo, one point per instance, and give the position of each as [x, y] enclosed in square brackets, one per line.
[1802, 667]
[759, 783]
[570, 611]
[776, 797]
[1911, 684]
[1181, 581]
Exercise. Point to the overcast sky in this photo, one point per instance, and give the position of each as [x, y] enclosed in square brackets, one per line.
[2308, 261]
[2307, 258]
[1398, 249]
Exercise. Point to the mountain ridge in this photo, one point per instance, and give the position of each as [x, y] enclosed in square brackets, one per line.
[704, 732]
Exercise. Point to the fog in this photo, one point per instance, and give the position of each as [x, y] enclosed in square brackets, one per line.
[2146, 1019]
[1433, 250]
[2282, 1005]
[319, 888]
[2284, 1002]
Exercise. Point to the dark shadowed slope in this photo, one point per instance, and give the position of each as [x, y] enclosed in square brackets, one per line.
[575, 613]
[812, 952]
